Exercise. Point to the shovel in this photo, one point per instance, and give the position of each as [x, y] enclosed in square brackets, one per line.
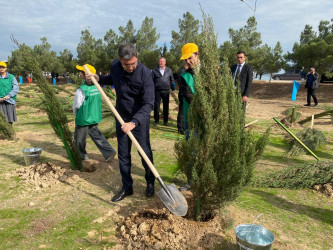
[172, 198]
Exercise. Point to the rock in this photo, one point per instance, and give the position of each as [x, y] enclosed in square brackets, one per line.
[123, 230]
[31, 204]
[133, 232]
[63, 178]
[157, 235]
[44, 185]
[143, 228]
[99, 220]
[316, 187]
[158, 245]
[175, 230]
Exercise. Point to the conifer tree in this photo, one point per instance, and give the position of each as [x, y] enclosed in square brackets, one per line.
[219, 151]
[57, 117]
[54, 109]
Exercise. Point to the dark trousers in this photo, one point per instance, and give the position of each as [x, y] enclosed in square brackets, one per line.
[164, 95]
[312, 92]
[141, 134]
[180, 116]
[80, 138]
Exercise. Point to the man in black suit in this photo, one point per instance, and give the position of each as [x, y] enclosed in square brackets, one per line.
[242, 74]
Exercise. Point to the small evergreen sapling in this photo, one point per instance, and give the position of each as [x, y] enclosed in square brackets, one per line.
[220, 152]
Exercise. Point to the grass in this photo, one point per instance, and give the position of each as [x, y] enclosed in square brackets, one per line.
[299, 219]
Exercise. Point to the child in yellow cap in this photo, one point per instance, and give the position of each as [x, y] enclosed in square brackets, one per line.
[87, 107]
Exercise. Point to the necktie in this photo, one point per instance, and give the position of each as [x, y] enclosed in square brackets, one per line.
[237, 72]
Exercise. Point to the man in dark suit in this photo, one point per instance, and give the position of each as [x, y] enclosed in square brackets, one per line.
[242, 74]
[135, 100]
[164, 81]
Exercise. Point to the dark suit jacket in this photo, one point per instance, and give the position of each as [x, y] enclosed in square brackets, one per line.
[245, 78]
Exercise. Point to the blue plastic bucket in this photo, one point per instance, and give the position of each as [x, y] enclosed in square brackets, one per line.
[31, 155]
[252, 236]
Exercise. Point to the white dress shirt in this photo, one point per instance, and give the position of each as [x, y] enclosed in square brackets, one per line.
[78, 100]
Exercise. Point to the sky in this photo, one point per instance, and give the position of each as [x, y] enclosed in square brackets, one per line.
[62, 21]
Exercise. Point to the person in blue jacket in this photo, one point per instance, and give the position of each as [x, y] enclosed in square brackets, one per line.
[134, 87]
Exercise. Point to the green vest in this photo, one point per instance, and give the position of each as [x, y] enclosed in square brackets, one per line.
[6, 85]
[188, 77]
[90, 111]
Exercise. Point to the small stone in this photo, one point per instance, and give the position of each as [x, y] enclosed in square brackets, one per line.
[31, 204]
[143, 228]
[99, 220]
[63, 178]
[158, 245]
[123, 230]
[133, 232]
[175, 230]
[157, 236]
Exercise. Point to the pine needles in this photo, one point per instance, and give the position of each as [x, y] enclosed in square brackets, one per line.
[6, 129]
[305, 176]
[312, 138]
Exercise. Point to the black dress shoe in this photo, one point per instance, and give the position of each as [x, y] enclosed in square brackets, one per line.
[122, 194]
[306, 104]
[316, 104]
[150, 190]
[166, 124]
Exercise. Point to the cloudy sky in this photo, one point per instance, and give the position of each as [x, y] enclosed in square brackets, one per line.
[62, 21]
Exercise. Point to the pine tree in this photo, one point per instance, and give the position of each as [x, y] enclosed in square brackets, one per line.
[220, 152]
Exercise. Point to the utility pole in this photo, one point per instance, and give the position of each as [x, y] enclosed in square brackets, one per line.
[255, 7]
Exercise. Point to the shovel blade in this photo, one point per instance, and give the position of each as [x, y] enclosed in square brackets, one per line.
[177, 204]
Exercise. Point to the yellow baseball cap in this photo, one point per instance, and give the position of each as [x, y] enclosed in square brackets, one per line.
[91, 68]
[188, 49]
[3, 64]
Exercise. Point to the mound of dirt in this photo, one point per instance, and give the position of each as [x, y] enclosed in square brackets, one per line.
[326, 189]
[159, 229]
[42, 175]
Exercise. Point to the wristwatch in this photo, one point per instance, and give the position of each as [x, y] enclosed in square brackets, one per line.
[133, 123]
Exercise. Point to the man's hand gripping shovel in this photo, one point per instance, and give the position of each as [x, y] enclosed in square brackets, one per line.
[172, 198]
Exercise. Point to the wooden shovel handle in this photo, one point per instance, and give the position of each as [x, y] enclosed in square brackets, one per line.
[121, 121]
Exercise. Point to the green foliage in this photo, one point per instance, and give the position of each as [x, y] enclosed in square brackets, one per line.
[149, 58]
[67, 60]
[314, 50]
[297, 114]
[220, 151]
[305, 176]
[261, 144]
[263, 59]
[6, 129]
[246, 38]
[55, 112]
[312, 138]
[188, 33]
[146, 36]
[127, 33]
[92, 51]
